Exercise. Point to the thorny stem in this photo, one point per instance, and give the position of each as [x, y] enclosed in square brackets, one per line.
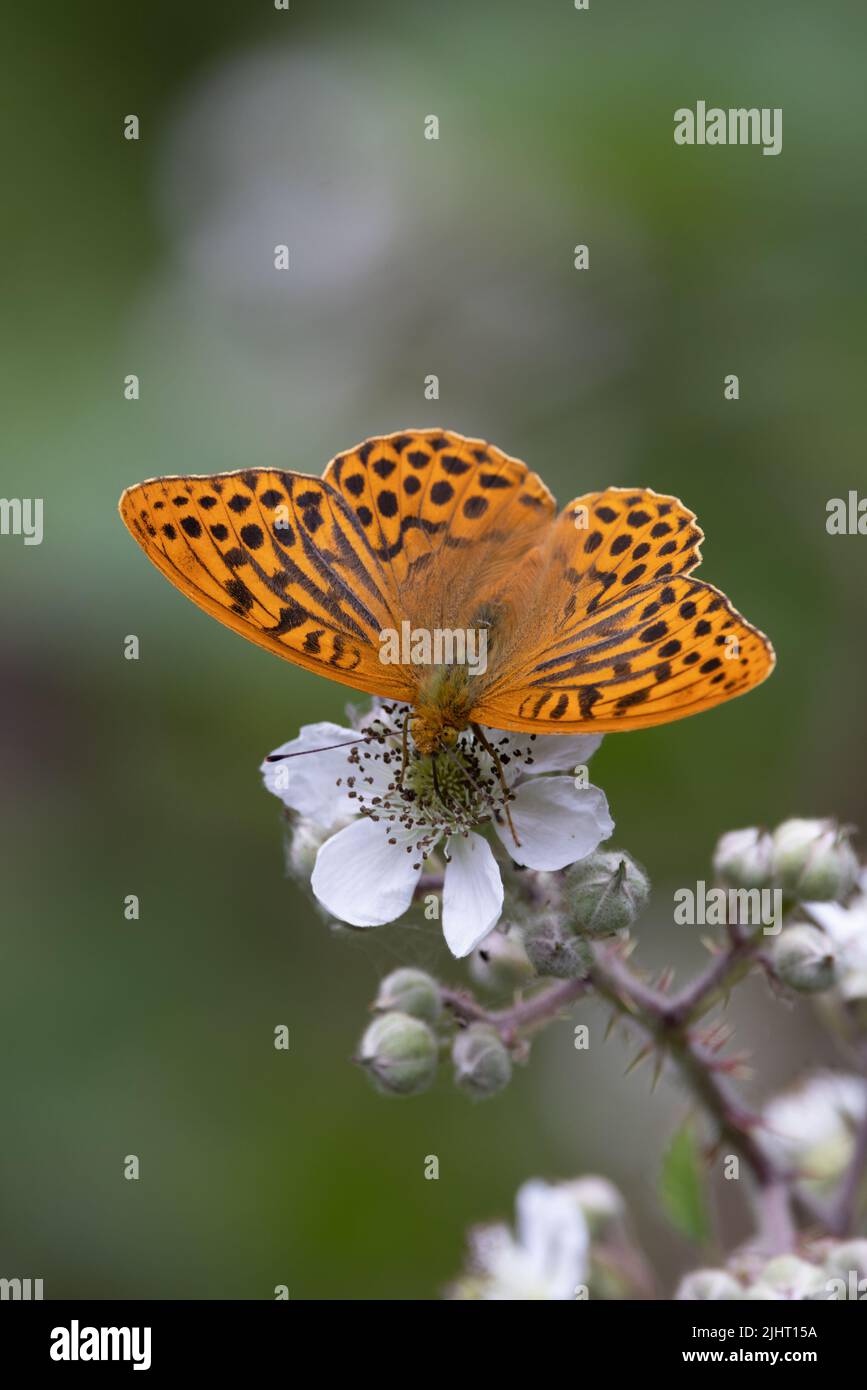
[667, 1023]
[523, 1017]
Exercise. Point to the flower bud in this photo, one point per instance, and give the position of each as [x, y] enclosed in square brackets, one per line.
[400, 1054]
[500, 962]
[410, 992]
[605, 892]
[482, 1063]
[304, 839]
[813, 860]
[743, 858]
[554, 949]
[711, 1285]
[804, 959]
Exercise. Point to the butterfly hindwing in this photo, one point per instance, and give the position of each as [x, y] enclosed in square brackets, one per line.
[625, 639]
[278, 557]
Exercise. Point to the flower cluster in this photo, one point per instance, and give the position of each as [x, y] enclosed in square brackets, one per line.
[829, 1271]
[505, 836]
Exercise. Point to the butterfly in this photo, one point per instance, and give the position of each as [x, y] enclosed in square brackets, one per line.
[591, 618]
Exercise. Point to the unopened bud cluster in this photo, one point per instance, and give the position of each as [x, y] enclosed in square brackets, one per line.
[400, 1049]
[602, 895]
[808, 860]
[805, 861]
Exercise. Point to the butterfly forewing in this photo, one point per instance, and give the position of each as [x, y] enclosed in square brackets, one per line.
[421, 494]
[280, 558]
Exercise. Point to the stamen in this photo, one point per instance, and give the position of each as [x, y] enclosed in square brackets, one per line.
[428, 798]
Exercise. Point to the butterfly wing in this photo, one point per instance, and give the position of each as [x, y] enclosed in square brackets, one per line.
[280, 558]
[619, 635]
[425, 496]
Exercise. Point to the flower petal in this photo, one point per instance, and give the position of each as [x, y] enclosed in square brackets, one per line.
[472, 892]
[550, 752]
[840, 923]
[553, 1231]
[556, 822]
[363, 879]
[309, 784]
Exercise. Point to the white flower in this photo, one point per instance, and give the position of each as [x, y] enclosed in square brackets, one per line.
[811, 1127]
[546, 1257]
[847, 928]
[366, 873]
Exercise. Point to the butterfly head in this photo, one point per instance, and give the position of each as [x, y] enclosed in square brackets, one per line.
[432, 733]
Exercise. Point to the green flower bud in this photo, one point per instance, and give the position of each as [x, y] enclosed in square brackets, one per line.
[744, 858]
[410, 992]
[813, 860]
[554, 949]
[500, 962]
[399, 1053]
[605, 892]
[482, 1063]
[804, 959]
[708, 1285]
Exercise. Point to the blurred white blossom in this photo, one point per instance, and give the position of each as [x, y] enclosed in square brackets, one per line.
[546, 1257]
[811, 1126]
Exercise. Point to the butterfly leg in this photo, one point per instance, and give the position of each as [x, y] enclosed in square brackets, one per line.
[433, 768]
[404, 750]
[494, 755]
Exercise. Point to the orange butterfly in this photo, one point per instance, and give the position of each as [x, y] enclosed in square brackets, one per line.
[591, 620]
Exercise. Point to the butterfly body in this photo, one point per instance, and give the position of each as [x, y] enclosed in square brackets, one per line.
[442, 708]
[590, 619]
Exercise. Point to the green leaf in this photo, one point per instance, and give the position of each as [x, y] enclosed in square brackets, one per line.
[681, 1186]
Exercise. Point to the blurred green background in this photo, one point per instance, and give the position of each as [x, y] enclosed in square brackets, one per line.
[409, 257]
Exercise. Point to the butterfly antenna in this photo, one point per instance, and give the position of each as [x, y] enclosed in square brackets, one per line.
[492, 753]
[278, 757]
